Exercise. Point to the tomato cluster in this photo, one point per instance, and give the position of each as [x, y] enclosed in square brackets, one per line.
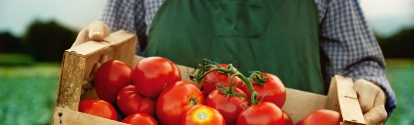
[153, 93]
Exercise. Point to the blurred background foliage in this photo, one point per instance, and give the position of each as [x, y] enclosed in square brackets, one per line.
[30, 67]
[43, 41]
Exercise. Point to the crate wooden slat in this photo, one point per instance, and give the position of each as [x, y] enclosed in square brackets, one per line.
[343, 98]
[78, 63]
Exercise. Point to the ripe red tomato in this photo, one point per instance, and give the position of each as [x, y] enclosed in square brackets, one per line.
[99, 108]
[131, 102]
[202, 115]
[300, 123]
[152, 74]
[175, 100]
[228, 106]
[111, 77]
[322, 117]
[213, 79]
[273, 90]
[140, 119]
[288, 120]
[264, 113]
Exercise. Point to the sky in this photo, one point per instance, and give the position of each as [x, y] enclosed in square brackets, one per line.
[385, 17]
[15, 15]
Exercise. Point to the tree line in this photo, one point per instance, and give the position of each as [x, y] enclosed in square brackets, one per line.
[45, 41]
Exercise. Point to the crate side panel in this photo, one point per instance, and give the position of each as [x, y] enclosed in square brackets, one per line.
[125, 51]
[299, 103]
[348, 102]
[63, 116]
[71, 81]
[94, 58]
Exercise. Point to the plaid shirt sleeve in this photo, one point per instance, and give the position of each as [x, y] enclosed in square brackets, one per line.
[127, 15]
[348, 46]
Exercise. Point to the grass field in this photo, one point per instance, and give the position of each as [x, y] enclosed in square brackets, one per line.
[27, 94]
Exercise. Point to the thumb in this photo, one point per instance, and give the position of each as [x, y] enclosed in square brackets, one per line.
[98, 31]
[377, 115]
[95, 31]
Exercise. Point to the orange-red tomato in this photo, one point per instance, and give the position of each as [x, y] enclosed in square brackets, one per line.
[322, 117]
[202, 115]
[99, 108]
[152, 74]
[110, 78]
[288, 120]
[264, 113]
[130, 102]
[214, 79]
[175, 100]
[228, 106]
[140, 119]
[272, 90]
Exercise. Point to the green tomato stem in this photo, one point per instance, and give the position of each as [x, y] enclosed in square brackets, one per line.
[231, 70]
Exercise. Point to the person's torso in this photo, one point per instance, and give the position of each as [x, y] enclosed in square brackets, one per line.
[274, 36]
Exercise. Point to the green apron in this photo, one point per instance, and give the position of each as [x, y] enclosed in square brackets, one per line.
[274, 36]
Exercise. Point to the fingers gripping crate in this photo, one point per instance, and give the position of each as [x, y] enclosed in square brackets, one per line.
[78, 62]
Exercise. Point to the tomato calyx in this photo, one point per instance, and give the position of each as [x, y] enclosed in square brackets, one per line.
[193, 101]
[209, 66]
[258, 78]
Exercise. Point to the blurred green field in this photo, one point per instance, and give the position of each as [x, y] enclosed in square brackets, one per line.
[27, 94]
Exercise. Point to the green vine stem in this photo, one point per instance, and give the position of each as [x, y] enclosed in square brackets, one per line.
[254, 76]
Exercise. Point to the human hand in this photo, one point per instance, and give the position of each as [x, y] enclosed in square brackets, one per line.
[95, 31]
[372, 101]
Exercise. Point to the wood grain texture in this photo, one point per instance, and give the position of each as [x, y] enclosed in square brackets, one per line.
[300, 103]
[78, 62]
[343, 98]
[64, 116]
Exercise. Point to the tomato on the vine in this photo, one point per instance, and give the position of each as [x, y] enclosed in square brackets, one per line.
[264, 113]
[99, 108]
[322, 117]
[175, 100]
[131, 102]
[152, 74]
[110, 77]
[228, 105]
[215, 78]
[140, 119]
[202, 115]
[272, 89]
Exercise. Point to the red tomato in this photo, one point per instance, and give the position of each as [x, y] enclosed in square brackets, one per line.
[152, 74]
[175, 100]
[322, 117]
[264, 113]
[273, 90]
[130, 102]
[213, 79]
[111, 77]
[202, 115]
[230, 107]
[288, 120]
[99, 108]
[140, 119]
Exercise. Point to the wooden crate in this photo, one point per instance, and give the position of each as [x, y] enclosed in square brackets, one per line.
[78, 62]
